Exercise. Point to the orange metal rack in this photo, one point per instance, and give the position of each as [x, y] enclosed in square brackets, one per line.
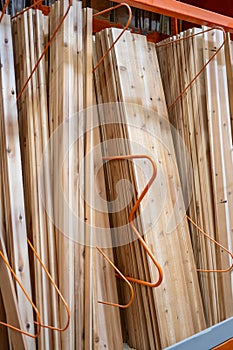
[182, 11]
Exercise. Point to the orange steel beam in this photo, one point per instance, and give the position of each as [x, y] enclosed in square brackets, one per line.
[99, 24]
[185, 12]
[228, 345]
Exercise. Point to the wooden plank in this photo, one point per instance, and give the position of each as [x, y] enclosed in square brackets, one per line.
[9, 298]
[49, 239]
[65, 245]
[42, 281]
[3, 330]
[229, 67]
[14, 193]
[204, 207]
[89, 308]
[219, 124]
[79, 249]
[107, 328]
[5, 340]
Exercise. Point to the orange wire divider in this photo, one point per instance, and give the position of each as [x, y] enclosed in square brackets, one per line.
[57, 29]
[204, 66]
[124, 278]
[57, 290]
[119, 36]
[43, 8]
[215, 242]
[28, 298]
[45, 50]
[38, 322]
[4, 10]
[131, 216]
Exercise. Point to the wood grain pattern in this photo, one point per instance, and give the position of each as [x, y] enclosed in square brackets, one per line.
[203, 118]
[12, 178]
[134, 81]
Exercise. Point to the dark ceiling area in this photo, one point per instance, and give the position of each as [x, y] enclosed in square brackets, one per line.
[224, 7]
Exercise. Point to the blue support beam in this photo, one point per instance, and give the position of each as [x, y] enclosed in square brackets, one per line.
[207, 339]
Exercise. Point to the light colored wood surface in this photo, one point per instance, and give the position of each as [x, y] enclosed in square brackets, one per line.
[203, 118]
[131, 81]
[12, 179]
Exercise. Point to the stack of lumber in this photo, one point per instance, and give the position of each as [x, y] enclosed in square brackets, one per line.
[203, 118]
[48, 102]
[130, 77]
[80, 265]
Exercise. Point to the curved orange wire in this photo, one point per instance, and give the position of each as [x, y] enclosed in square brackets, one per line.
[45, 50]
[131, 215]
[57, 290]
[215, 242]
[38, 322]
[4, 10]
[45, 9]
[28, 298]
[204, 66]
[119, 36]
[124, 278]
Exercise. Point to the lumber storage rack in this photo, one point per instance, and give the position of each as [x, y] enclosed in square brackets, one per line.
[219, 336]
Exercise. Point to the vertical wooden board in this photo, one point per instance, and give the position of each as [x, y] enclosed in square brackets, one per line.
[29, 152]
[45, 25]
[65, 244]
[227, 146]
[49, 239]
[78, 248]
[133, 80]
[229, 67]
[53, 120]
[3, 330]
[189, 135]
[108, 328]
[220, 145]
[53, 57]
[182, 231]
[89, 267]
[39, 236]
[101, 95]
[13, 163]
[9, 297]
[208, 282]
